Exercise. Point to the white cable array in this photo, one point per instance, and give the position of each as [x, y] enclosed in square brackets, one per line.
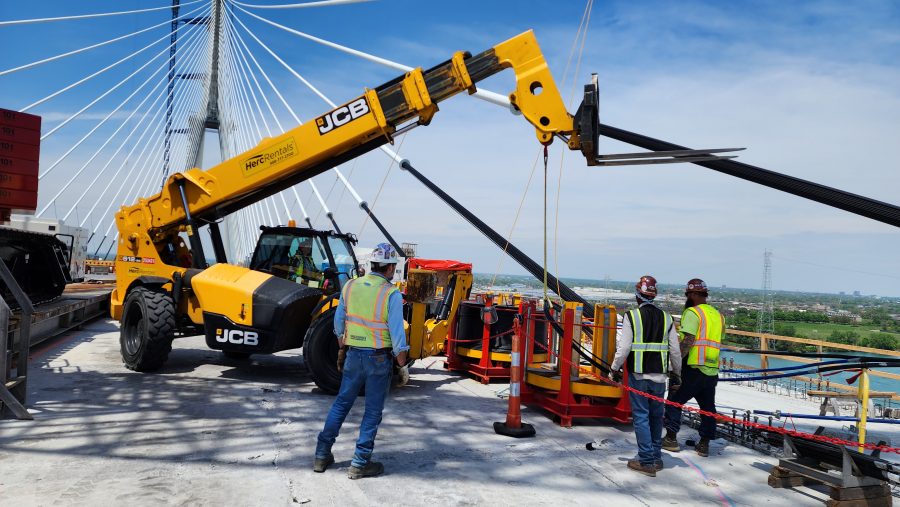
[344, 180]
[319, 3]
[131, 132]
[103, 95]
[93, 46]
[108, 138]
[181, 106]
[95, 74]
[89, 16]
[486, 95]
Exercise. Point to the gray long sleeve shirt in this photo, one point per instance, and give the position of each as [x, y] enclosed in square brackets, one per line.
[624, 340]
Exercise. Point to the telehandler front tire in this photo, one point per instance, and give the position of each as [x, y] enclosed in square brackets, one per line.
[320, 351]
[148, 328]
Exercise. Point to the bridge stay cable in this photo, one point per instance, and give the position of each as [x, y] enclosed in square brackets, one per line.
[105, 143]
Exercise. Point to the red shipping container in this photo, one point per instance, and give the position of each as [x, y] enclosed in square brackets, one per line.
[18, 199]
[20, 134]
[19, 150]
[17, 119]
[18, 182]
[11, 165]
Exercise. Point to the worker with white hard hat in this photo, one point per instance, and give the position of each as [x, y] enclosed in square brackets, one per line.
[369, 322]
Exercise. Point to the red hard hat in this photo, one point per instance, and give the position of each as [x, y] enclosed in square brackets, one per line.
[695, 285]
[646, 286]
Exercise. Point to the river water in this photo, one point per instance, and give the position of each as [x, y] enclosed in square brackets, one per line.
[875, 383]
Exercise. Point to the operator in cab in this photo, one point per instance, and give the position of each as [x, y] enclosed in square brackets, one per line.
[306, 271]
[701, 338]
[369, 324]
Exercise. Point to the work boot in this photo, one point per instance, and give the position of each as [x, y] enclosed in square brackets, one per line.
[702, 447]
[670, 443]
[659, 465]
[371, 469]
[321, 464]
[648, 470]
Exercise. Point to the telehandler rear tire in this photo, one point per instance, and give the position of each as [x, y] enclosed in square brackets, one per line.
[320, 351]
[148, 328]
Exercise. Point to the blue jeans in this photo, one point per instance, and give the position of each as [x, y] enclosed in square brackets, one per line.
[363, 367]
[647, 416]
[701, 387]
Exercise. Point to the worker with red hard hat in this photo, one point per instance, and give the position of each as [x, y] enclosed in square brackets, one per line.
[702, 327]
[648, 344]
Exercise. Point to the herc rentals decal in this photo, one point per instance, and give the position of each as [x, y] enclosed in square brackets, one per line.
[269, 157]
[342, 115]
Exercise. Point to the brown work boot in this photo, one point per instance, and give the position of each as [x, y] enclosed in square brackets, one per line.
[371, 469]
[321, 464]
[648, 470]
[659, 465]
[702, 447]
[670, 443]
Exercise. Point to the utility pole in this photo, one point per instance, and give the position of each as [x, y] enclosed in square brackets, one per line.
[765, 322]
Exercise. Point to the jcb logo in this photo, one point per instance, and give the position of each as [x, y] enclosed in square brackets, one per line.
[237, 337]
[342, 115]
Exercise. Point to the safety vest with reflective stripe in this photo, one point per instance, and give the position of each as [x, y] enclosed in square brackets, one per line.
[649, 354]
[708, 340]
[366, 301]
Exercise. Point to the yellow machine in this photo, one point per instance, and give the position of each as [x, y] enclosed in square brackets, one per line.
[164, 286]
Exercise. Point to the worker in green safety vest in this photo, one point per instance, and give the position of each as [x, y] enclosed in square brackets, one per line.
[369, 322]
[648, 345]
[701, 338]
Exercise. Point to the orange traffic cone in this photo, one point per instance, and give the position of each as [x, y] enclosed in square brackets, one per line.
[514, 427]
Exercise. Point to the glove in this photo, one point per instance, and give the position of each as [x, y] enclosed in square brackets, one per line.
[616, 376]
[342, 356]
[403, 374]
[674, 382]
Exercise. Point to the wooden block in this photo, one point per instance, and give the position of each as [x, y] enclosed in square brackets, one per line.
[867, 502]
[17, 119]
[783, 472]
[786, 482]
[860, 493]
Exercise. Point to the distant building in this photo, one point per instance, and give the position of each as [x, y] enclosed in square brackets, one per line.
[856, 293]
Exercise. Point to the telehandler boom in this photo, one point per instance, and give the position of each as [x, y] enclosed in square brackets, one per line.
[164, 287]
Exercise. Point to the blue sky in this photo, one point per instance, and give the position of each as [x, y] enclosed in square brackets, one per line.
[811, 89]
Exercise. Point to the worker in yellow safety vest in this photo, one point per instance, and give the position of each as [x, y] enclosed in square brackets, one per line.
[369, 322]
[701, 338]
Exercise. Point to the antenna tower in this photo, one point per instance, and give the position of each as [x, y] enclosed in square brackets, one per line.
[765, 322]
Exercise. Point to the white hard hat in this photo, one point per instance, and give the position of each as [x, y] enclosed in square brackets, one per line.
[384, 253]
